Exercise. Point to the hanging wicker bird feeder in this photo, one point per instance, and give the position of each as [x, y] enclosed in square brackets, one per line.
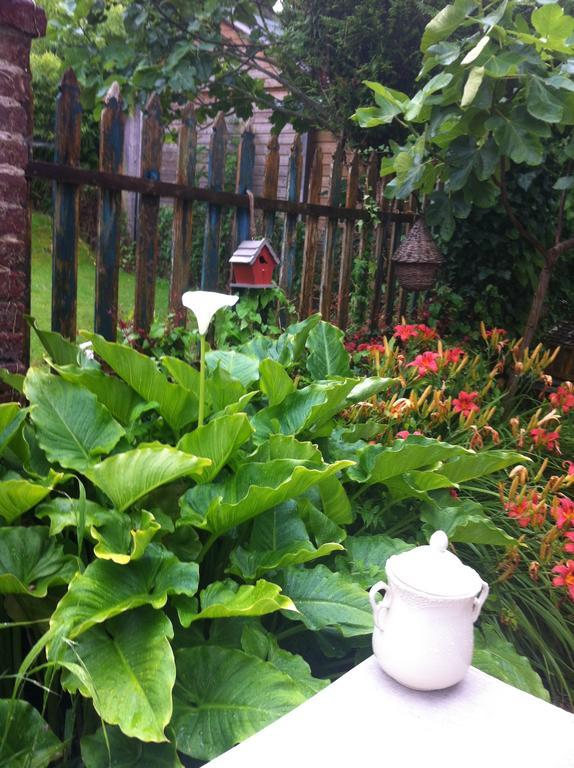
[417, 259]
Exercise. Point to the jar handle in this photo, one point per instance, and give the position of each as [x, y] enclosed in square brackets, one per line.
[380, 609]
[479, 601]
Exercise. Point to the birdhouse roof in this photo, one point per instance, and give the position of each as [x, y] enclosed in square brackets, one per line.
[249, 250]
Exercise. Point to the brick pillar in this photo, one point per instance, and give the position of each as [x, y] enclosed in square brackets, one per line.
[20, 22]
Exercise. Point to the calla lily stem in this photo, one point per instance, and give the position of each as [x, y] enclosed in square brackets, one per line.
[201, 414]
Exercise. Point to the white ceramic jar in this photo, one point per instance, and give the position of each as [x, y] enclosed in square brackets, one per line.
[423, 634]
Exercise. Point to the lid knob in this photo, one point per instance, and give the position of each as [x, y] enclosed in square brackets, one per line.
[439, 541]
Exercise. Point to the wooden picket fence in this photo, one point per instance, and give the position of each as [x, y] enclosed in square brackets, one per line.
[332, 237]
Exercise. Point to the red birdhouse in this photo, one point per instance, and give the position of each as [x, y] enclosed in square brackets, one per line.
[253, 263]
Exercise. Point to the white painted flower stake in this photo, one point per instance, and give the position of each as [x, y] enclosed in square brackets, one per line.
[204, 305]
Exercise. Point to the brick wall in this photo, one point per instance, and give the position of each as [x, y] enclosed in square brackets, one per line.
[20, 22]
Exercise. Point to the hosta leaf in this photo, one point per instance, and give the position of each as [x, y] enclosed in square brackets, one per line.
[465, 522]
[494, 655]
[125, 752]
[327, 354]
[275, 382]
[304, 409]
[326, 599]
[11, 417]
[176, 404]
[464, 468]
[64, 513]
[73, 428]
[31, 562]
[18, 495]
[127, 477]
[254, 489]
[377, 464]
[128, 670]
[219, 440]
[26, 741]
[106, 589]
[239, 366]
[223, 599]
[366, 557]
[125, 539]
[223, 695]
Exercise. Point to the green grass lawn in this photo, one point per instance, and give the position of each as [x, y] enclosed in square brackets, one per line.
[42, 284]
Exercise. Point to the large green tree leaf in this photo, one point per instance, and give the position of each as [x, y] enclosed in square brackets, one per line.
[494, 655]
[73, 428]
[18, 495]
[366, 557]
[223, 599]
[175, 403]
[254, 488]
[219, 441]
[26, 741]
[124, 752]
[447, 21]
[327, 354]
[31, 562]
[465, 522]
[326, 599]
[127, 668]
[106, 589]
[127, 477]
[223, 695]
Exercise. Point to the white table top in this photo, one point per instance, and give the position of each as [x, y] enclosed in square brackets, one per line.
[367, 719]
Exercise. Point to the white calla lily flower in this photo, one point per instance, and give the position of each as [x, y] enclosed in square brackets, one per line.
[204, 305]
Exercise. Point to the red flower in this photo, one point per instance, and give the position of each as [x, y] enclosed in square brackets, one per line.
[563, 512]
[406, 332]
[527, 511]
[465, 403]
[565, 577]
[569, 466]
[453, 355]
[569, 547]
[543, 439]
[425, 363]
[404, 433]
[497, 332]
[562, 399]
[425, 333]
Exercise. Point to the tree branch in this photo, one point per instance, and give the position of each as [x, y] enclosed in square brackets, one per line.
[518, 225]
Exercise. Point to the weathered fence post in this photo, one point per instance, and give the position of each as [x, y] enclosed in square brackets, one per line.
[66, 227]
[331, 234]
[390, 282]
[20, 22]
[108, 257]
[147, 242]
[379, 257]
[183, 216]
[311, 238]
[244, 181]
[271, 182]
[347, 249]
[289, 246]
[215, 181]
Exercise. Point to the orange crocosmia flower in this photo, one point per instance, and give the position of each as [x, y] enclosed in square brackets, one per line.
[406, 332]
[425, 363]
[562, 400]
[465, 403]
[541, 438]
[565, 577]
[563, 512]
[453, 355]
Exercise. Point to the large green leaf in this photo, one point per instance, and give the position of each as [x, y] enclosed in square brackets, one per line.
[11, 417]
[416, 485]
[468, 467]
[223, 599]
[127, 477]
[465, 522]
[327, 354]
[542, 102]
[73, 428]
[514, 140]
[239, 366]
[303, 410]
[127, 668]
[124, 538]
[18, 495]
[176, 404]
[366, 557]
[278, 539]
[106, 589]
[31, 562]
[124, 752]
[254, 488]
[275, 382]
[182, 373]
[218, 441]
[223, 392]
[26, 741]
[61, 350]
[550, 21]
[377, 464]
[494, 655]
[64, 512]
[223, 695]
[326, 599]
[446, 22]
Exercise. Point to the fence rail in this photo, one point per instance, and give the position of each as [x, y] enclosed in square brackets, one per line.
[322, 271]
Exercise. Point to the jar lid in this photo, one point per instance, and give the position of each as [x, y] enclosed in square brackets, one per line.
[434, 570]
